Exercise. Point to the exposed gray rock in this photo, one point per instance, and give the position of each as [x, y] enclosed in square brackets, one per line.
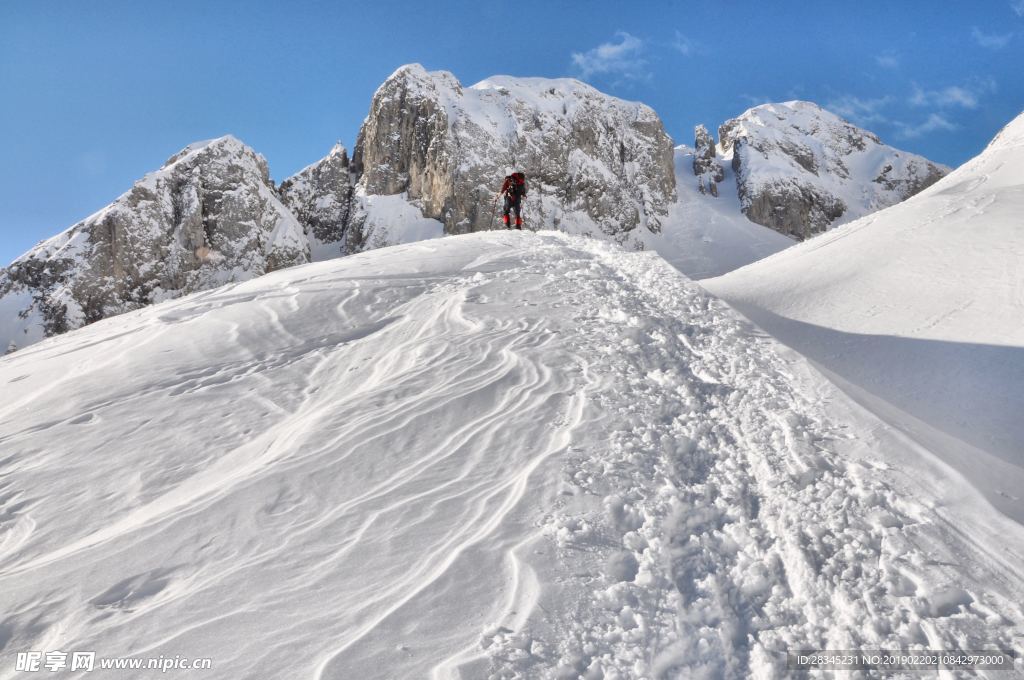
[430, 157]
[709, 172]
[320, 196]
[209, 216]
[910, 183]
[801, 169]
[593, 161]
[725, 134]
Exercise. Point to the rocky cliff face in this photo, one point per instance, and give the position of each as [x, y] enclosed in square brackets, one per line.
[209, 216]
[320, 197]
[801, 169]
[594, 162]
[429, 160]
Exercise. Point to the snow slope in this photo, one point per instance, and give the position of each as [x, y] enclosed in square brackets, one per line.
[500, 455]
[918, 309]
[704, 235]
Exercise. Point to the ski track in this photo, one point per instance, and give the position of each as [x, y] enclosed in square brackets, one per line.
[553, 459]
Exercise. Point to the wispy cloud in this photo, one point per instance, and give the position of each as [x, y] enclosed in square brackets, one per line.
[621, 57]
[1018, 7]
[890, 59]
[92, 163]
[991, 41]
[755, 99]
[793, 93]
[967, 97]
[933, 123]
[884, 112]
[689, 47]
[860, 110]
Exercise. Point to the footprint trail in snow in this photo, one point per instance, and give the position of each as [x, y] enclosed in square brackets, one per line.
[491, 456]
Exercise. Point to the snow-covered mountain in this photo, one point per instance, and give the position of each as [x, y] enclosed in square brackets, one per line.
[320, 197]
[499, 455]
[706, 233]
[210, 215]
[428, 161]
[595, 162]
[801, 169]
[919, 310]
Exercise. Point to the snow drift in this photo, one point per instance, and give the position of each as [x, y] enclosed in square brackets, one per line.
[918, 309]
[499, 455]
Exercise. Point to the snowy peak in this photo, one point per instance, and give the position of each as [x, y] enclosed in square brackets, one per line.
[429, 159]
[338, 150]
[797, 123]
[320, 197]
[1010, 137]
[595, 163]
[226, 146]
[946, 250]
[801, 169]
[209, 216]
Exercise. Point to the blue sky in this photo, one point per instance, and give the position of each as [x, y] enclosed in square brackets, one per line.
[95, 94]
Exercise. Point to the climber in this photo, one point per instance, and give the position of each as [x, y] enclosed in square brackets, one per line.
[514, 190]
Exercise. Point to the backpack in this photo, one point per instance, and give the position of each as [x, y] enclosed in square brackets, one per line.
[517, 187]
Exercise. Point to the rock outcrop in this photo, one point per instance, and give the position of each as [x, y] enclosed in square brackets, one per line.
[429, 159]
[209, 216]
[320, 196]
[594, 162]
[801, 169]
[705, 164]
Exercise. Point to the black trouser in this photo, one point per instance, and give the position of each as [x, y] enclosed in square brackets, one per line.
[513, 202]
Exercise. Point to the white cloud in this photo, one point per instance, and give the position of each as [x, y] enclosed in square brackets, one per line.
[889, 59]
[755, 99]
[945, 97]
[92, 163]
[967, 97]
[688, 47]
[621, 58]
[880, 111]
[934, 122]
[860, 111]
[1018, 7]
[991, 41]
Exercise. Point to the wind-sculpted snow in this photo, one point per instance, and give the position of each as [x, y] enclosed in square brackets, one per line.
[504, 455]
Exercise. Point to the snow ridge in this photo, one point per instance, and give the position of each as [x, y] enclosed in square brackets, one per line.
[612, 476]
[744, 522]
[917, 308]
